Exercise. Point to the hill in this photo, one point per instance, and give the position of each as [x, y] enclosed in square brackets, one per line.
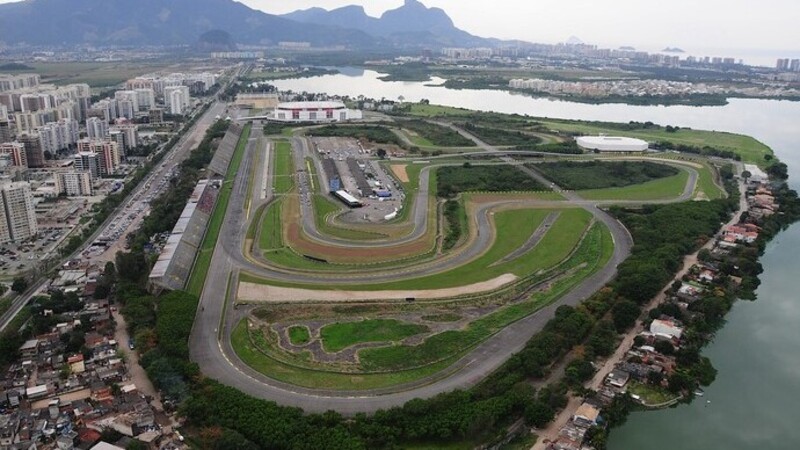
[158, 22]
[412, 24]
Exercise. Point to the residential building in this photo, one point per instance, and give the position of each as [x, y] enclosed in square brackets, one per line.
[96, 128]
[21, 81]
[156, 116]
[33, 149]
[5, 131]
[176, 98]
[107, 151]
[104, 109]
[17, 217]
[86, 161]
[126, 135]
[16, 151]
[74, 184]
[57, 136]
[127, 103]
[145, 99]
[666, 328]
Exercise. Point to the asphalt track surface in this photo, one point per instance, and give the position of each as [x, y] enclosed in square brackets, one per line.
[211, 348]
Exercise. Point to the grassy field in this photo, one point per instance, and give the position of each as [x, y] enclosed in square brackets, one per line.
[662, 189]
[95, 74]
[706, 185]
[431, 135]
[452, 180]
[203, 260]
[299, 335]
[750, 149]
[421, 110]
[284, 168]
[339, 336]
[270, 367]
[514, 227]
[271, 236]
[651, 395]
[595, 250]
[579, 175]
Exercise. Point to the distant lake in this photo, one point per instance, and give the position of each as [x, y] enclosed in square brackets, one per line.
[753, 403]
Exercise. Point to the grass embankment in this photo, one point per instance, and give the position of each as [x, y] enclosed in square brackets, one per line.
[206, 251]
[271, 236]
[578, 175]
[299, 335]
[254, 358]
[283, 181]
[339, 336]
[662, 189]
[750, 149]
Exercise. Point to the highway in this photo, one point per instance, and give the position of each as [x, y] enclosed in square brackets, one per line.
[211, 348]
[147, 187]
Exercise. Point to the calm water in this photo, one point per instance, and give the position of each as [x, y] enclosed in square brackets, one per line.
[754, 401]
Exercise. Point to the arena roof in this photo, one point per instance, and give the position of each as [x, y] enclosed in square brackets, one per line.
[612, 144]
[311, 105]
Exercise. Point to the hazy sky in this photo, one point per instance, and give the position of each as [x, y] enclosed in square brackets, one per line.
[742, 25]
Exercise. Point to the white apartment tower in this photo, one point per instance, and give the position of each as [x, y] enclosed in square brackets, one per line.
[96, 128]
[17, 215]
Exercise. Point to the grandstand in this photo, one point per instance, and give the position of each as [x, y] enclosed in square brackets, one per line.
[332, 174]
[224, 154]
[175, 262]
[358, 174]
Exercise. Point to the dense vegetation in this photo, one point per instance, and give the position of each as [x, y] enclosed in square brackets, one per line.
[598, 174]
[494, 136]
[372, 133]
[504, 178]
[454, 223]
[436, 134]
[569, 148]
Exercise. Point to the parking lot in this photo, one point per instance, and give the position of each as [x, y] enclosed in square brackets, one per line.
[363, 178]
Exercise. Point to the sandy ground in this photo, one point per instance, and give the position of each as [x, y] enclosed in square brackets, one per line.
[252, 292]
[137, 373]
[399, 171]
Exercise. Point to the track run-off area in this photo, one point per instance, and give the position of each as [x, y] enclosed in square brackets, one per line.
[306, 310]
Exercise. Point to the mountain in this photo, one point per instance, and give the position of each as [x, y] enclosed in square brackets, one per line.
[158, 22]
[411, 24]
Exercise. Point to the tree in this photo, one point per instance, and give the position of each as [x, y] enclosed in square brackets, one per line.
[381, 153]
[746, 175]
[680, 381]
[19, 285]
[538, 414]
[625, 314]
[664, 347]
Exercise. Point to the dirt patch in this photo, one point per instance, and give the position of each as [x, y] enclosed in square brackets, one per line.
[297, 240]
[252, 292]
[399, 171]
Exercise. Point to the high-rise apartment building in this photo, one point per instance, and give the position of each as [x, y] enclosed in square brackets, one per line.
[74, 184]
[96, 128]
[88, 162]
[5, 131]
[17, 215]
[33, 149]
[17, 153]
[176, 98]
[108, 154]
[57, 136]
